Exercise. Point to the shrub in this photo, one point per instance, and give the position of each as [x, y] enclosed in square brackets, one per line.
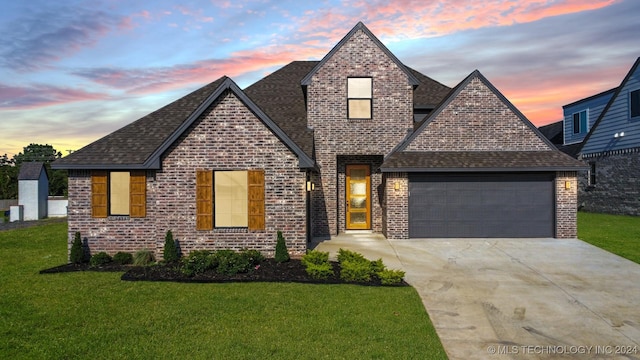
[77, 251]
[123, 258]
[143, 257]
[319, 271]
[100, 258]
[377, 266]
[315, 257]
[198, 262]
[170, 252]
[348, 255]
[355, 271]
[231, 262]
[282, 254]
[390, 277]
[252, 257]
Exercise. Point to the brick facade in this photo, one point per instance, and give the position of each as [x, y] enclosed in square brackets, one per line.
[226, 137]
[477, 120]
[617, 188]
[337, 136]
[566, 205]
[396, 205]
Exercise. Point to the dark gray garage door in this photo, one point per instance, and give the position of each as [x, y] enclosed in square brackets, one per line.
[481, 205]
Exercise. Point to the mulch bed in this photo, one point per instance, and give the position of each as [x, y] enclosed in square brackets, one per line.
[268, 271]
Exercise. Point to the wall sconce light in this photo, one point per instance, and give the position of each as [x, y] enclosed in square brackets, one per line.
[567, 185]
[396, 185]
[310, 186]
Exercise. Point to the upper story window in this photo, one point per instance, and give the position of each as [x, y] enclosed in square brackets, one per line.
[359, 97]
[580, 121]
[634, 103]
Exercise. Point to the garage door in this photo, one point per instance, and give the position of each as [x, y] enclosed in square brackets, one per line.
[481, 205]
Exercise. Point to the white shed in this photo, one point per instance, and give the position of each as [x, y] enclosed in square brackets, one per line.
[33, 190]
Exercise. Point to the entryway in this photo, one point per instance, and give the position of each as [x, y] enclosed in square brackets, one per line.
[358, 197]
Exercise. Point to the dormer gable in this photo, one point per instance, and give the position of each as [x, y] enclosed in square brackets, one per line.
[360, 27]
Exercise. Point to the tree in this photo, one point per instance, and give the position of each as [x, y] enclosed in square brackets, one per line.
[47, 154]
[8, 178]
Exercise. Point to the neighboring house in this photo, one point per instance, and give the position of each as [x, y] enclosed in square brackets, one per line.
[33, 190]
[612, 150]
[356, 141]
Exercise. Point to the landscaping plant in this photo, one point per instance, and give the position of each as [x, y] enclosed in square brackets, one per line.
[317, 264]
[170, 251]
[282, 254]
[77, 252]
[143, 258]
[123, 258]
[100, 258]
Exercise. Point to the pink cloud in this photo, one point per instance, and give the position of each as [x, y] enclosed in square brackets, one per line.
[36, 96]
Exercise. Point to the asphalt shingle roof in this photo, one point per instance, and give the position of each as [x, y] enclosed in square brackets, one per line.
[30, 170]
[439, 161]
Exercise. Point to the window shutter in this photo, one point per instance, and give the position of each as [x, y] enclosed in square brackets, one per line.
[99, 186]
[138, 194]
[256, 199]
[204, 200]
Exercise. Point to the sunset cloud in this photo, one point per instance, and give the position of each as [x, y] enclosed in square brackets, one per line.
[36, 96]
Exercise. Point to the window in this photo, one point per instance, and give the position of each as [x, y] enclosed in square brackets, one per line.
[230, 199]
[118, 193]
[592, 173]
[580, 122]
[359, 98]
[634, 103]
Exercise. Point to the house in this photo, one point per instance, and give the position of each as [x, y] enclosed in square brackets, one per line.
[355, 141]
[612, 148]
[33, 190]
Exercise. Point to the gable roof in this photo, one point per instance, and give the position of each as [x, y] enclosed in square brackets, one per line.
[360, 26]
[455, 92]
[141, 144]
[609, 104]
[31, 170]
[553, 132]
[552, 159]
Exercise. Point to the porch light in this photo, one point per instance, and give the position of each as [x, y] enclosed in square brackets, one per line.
[567, 185]
[310, 186]
[396, 185]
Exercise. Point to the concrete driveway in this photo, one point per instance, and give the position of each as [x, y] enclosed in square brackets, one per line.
[518, 298]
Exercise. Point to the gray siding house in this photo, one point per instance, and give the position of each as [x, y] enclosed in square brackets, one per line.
[612, 150]
[354, 141]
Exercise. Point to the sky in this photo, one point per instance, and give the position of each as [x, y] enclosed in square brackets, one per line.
[73, 71]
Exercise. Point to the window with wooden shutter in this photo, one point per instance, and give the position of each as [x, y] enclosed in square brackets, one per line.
[256, 200]
[204, 200]
[99, 194]
[138, 194]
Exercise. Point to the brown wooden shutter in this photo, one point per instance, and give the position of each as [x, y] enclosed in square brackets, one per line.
[256, 199]
[99, 191]
[204, 200]
[138, 194]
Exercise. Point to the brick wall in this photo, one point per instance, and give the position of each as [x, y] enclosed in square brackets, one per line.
[335, 135]
[226, 137]
[396, 206]
[477, 120]
[566, 205]
[617, 188]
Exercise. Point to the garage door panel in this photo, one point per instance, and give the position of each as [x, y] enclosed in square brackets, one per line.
[481, 205]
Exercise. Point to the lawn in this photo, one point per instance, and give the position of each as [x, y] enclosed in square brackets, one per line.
[96, 315]
[614, 233]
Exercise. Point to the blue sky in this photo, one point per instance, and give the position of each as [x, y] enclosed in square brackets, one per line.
[74, 71]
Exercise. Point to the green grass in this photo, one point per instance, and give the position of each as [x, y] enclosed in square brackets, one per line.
[614, 233]
[95, 315]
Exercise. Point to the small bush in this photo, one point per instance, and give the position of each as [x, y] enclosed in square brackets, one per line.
[143, 258]
[377, 266]
[231, 262]
[315, 257]
[390, 277]
[123, 258]
[282, 254]
[100, 258]
[348, 255]
[252, 257]
[319, 271]
[198, 262]
[355, 271]
[77, 251]
[170, 252]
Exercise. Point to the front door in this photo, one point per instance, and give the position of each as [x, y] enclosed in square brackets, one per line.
[358, 197]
